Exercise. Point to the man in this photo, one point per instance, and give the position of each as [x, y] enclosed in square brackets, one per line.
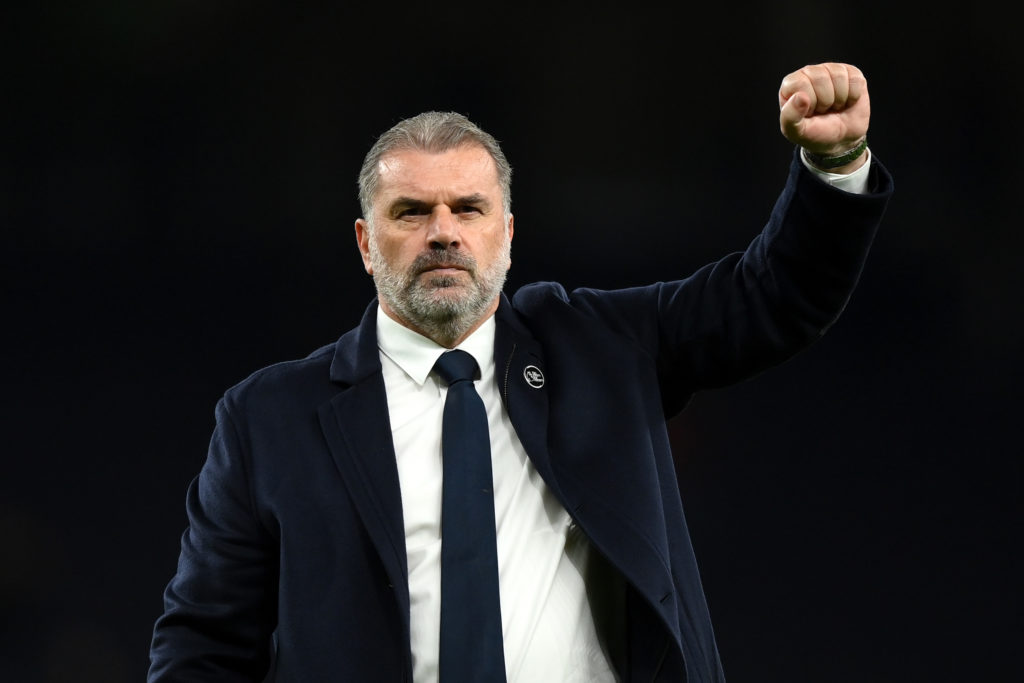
[319, 524]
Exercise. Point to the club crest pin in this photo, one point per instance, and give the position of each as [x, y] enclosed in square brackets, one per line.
[533, 376]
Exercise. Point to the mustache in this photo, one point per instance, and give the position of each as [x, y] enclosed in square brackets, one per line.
[438, 258]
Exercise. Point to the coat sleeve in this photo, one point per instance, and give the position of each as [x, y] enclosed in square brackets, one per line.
[753, 309]
[220, 607]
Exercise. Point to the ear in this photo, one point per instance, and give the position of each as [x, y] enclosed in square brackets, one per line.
[363, 242]
[511, 232]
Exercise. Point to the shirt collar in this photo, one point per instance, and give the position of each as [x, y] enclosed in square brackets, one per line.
[416, 354]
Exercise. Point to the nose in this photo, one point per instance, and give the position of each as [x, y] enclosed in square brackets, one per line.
[442, 229]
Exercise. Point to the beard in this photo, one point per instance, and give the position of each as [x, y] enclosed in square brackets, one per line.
[441, 307]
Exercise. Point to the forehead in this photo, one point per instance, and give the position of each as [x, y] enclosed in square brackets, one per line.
[461, 171]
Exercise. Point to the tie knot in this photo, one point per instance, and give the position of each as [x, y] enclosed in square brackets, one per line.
[454, 366]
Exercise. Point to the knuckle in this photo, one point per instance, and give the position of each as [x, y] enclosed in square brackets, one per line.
[791, 81]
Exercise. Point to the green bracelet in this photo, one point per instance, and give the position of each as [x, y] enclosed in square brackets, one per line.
[825, 163]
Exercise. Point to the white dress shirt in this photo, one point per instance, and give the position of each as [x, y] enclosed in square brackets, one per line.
[547, 622]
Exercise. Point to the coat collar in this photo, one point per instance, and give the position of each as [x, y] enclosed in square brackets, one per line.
[357, 428]
[358, 432]
[355, 354]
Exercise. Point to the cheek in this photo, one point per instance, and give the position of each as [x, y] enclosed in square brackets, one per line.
[398, 254]
[496, 247]
[386, 246]
[488, 240]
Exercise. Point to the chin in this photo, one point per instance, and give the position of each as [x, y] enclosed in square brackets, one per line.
[445, 290]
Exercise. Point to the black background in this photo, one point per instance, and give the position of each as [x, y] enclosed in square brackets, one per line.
[177, 191]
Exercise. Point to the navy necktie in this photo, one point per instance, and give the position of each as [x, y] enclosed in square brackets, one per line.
[471, 644]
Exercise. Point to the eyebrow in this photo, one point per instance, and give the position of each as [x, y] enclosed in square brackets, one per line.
[402, 203]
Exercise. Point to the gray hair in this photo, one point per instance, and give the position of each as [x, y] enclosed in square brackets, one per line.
[432, 132]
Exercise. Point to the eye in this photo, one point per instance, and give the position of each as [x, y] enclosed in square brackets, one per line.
[467, 209]
[411, 211]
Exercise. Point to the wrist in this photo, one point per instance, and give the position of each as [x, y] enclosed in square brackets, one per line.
[843, 161]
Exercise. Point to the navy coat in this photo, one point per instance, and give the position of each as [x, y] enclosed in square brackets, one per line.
[294, 568]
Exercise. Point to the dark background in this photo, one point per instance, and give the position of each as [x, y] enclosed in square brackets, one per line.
[177, 191]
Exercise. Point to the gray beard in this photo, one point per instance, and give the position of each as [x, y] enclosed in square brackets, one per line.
[441, 308]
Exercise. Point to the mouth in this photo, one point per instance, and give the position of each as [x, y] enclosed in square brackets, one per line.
[443, 269]
[442, 265]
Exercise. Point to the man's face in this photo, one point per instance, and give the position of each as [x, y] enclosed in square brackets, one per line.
[438, 248]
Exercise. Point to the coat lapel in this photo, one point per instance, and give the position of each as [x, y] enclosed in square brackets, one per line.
[522, 380]
[356, 427]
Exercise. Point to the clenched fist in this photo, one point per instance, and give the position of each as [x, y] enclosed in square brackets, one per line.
[825, 109]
